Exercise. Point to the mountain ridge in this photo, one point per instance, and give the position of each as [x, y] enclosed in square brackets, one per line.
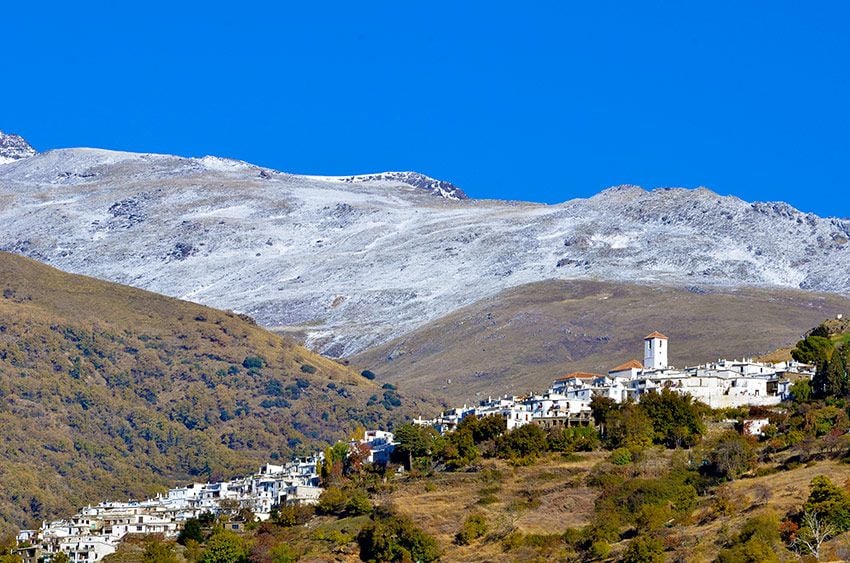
[350, 265]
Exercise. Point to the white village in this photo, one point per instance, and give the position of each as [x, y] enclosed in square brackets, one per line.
[721, 384]
[96, 531]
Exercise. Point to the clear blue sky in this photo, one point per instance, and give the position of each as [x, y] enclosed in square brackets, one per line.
[541, 101]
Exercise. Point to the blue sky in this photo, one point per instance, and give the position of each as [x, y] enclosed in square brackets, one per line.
[541, 101]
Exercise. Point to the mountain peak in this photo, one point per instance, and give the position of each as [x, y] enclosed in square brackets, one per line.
[439, 188]
[13, 147]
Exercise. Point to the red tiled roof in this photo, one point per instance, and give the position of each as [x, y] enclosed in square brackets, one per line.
[631, 364]
[655, 334]
[580, 375]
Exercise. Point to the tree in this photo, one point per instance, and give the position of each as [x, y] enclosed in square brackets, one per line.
[802, 391]
[815, 530]
[676, 419]
[629, 427]
[225, 547]
[394, 537]
[191, 531]
[813, 350]
[158, 551]
[526, 440]
[413, 442]
[644, 549]
[332, 501]
[474, 527]
[731, 455]
[829, 503]
[831, 378]
[600, 407]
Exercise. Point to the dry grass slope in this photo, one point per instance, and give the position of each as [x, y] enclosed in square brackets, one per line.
[522, 338]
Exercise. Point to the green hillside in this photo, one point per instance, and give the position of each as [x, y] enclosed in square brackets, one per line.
[107, 392]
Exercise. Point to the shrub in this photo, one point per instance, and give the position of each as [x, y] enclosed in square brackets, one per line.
[473, 527]
[292, 515]
[621, 456]
[358, 503]
[225, 547]
[368, 374]
[394, 537]
[332, 501]
[191, 531]
[253, 362]
[600, 549]
[644, 549]
[307, 368]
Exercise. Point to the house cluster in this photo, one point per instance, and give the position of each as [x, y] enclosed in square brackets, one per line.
[720, 384]
[95, 531]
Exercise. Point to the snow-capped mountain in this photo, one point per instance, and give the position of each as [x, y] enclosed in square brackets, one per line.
[355, 262]
[13, 147]
[440, 188]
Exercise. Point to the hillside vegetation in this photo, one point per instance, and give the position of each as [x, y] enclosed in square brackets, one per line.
[108, 391]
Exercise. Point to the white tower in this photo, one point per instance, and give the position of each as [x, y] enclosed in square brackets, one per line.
[655, 351]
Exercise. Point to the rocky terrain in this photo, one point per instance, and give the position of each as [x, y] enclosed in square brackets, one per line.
[350, 263]
[13, 147]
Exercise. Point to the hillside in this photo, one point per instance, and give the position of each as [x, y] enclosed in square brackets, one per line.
[353, 262]
[523, 338]
[108, 391]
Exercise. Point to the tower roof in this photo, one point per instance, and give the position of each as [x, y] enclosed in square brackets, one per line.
[655, 334]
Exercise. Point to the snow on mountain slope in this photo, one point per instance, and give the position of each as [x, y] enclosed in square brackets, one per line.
[13, 147]
[356, 262]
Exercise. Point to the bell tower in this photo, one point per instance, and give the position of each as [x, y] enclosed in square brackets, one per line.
[655, 351]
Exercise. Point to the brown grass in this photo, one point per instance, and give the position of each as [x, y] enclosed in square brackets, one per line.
[523, 338]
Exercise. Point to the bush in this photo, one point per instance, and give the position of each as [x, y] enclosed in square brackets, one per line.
[573, 439]
[600, 549]
[253, 362]
[225, 547]
[332, 501]
[358, 503]
[621, 456]
[474, 527]
[307, 368]
[368, 374]
[644, 549]
[191, 531]
[292, 515]
[394, 537]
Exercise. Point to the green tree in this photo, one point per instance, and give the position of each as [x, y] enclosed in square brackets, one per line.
[731, 455]
[473, 527]
[802, 391]
[676, 419]
[225, 546]
[158, 551]
[332, 501]
[814, 350]
[831, 379]
[283, 553]
[524, 441]
[644, 549]
[191, 531]
[830, 502]
[629, 427]
[394, 537]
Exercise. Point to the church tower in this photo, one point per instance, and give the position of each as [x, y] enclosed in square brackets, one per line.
[655, 351]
